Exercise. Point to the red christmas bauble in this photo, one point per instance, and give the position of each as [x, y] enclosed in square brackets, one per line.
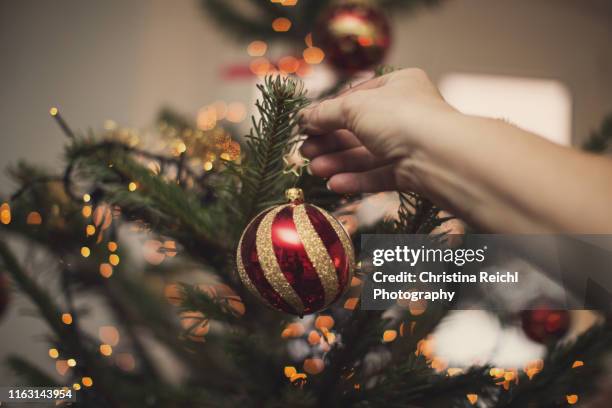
[295, 257]
[354, 35]
[545, 324]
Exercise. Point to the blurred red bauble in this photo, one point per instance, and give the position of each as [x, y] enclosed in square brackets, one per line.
[544, 323]
[295, 257]
[354, 35]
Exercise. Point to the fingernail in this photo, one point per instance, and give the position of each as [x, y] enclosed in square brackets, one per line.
[327, 186]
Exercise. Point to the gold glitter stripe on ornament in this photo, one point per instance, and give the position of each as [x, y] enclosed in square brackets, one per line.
[345, 239]
[317, 253]
[269, 264]
[242, 273]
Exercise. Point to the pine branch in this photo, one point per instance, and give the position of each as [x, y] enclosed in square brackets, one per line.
[162, 204]
[29, 373]
[261, 176]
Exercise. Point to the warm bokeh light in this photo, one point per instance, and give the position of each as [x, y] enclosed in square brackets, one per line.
[577, 363]
[324, 322]
[351, 303]
[132, 186]
[125, 361]
[85, 251]
[260, 66]
[53, 353]
[289, 3]
[76, 386]
[389, 336]
[113, 259]
[220, 108]
[236, 112]
[53, 111]
[61, 367]
[87, 381]
[288, 64]
[571, 399]
[207, 118]
[308, 40]
[281, 24]
[314, 337]
[106, 270]
[151, 252]
[67, 318]
[293, 330]
[472, 398]
[86, 211]
[106, 349]
[90, 230]
[71, 362]
[86, 198]
[289, 371]
[313, 365]
[5, 213]
[112, 246]
[109, 335]
[257, 48]
[313, 55]
[34, 218]
[207, 166]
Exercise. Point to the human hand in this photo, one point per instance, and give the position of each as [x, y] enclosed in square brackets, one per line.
[364, 139]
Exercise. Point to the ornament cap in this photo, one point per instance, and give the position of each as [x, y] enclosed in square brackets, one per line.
[295, 195]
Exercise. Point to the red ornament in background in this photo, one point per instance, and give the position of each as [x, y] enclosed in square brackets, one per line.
[295, 257]
[544, 323]
[354, 35]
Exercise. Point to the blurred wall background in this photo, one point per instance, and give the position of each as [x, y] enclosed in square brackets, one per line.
[123, 60]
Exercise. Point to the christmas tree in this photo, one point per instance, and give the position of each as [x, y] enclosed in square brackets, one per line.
[189, 206]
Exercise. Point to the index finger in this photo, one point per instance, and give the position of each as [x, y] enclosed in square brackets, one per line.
[330, 114]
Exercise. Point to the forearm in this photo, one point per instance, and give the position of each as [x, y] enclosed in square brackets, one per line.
[503, 179]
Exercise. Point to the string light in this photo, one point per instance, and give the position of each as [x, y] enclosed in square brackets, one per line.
[106, 349]
[5, 213]
[236, 112]
[34, 218]
[87, 381]
[257, 48]
[86, 211]
[281, 24]
[132, 186]
[86, 198]
[90, 230]
[106, 270]
[288, 64]
[67, 318]
[389, 336]
[313, 55]
[76, 386]
[260, 66]
[53, 353]
[112, 246]
[113, 259]
[85, 251]
[71, 362]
